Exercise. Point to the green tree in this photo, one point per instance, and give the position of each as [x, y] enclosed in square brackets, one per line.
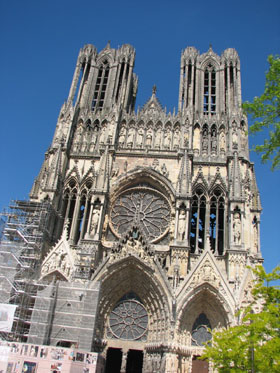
[265, 111]
[254, 345]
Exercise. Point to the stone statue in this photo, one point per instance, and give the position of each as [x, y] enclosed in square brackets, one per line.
[222, 141]
[176, 139]
[149, 138]
[94, 221]
[236, 228]
[130, 137]
[214, 141]
[102, 136]
[205, 141]
[182, 225]
[166, 139]
[243, 137]
[196, 136]
[110, 133]
[139, 139]
[234, 139]
[158, 139]
[164, 170]
[122, 137]
[186, 139]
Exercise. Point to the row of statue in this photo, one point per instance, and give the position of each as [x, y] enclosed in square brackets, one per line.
[159, 139]
[87, 139]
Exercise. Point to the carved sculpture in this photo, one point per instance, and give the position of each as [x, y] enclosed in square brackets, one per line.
[149, 138]
[130, 137]
[236, 228]
[158, 139]
[182, 225]
[222, 141]
[94, 221]
[176, 139]
[122, 137]
[167, 139]
[139, 138]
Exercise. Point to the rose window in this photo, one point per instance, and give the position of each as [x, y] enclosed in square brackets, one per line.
[128, 320]
[145, 207]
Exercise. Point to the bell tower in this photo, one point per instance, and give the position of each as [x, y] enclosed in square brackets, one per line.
[102, 80]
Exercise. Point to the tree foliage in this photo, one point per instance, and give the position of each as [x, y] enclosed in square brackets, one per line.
[265, 111]
[254, 344]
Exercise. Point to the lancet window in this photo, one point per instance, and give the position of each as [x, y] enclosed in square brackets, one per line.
[217, 222]
[76, 209]
[207, 219]
[197, 223]
[209, 102]
[101, 86]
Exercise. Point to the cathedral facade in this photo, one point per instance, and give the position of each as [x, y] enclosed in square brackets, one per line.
[154, 216]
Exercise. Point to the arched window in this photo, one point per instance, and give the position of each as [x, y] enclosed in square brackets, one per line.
[200, 332]
[209, 102]
[217, 222]
[101, 86]
[70, 197]
[197, 223]
[120, 79]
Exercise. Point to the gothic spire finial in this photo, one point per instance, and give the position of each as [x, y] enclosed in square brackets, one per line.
[154, 89]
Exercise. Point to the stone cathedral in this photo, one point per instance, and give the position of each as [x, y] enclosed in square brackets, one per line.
[152, 219]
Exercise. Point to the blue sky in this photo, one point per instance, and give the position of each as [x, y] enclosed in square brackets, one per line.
[40, 41]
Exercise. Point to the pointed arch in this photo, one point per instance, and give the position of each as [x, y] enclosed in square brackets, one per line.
[131, 275]
[204, 305]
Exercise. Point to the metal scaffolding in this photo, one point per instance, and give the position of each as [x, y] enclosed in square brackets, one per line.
[26, 236]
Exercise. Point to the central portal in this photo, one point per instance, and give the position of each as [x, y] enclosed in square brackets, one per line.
[114, 361]
[134, 361]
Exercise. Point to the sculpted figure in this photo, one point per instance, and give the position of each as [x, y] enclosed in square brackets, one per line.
[186, 139]
[158, 139]
[110, 133]
[236, 228]
[79, 131]
[243, 137]
[214, 141]
[164, 170]
[149, 138]
[182, 225]
[166, 139]
[122, 137]
[130, 138]
[139, 140]
[94, 221]
[222, 141]
[196, 143]
[234, 139]
[102, 136]
[205, 141]
[176, 139]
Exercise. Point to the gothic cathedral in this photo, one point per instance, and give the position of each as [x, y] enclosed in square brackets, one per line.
[148, 220]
